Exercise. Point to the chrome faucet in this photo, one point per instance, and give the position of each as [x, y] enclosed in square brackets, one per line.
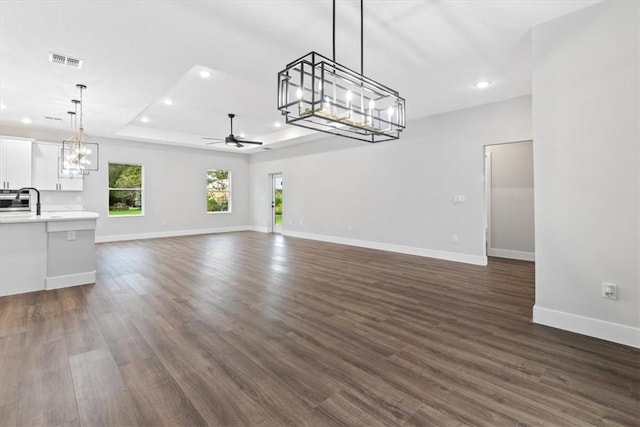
[38, 198]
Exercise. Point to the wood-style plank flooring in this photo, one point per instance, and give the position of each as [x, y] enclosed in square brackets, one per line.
[264, 330]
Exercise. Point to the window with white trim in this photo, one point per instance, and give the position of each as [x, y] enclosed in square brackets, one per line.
[218, 190]
[125, 190]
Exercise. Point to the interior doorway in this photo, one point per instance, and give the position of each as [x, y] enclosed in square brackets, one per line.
[509, 204]
[277, 204]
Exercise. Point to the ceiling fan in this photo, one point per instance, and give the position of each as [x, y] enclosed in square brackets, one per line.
[231, 139]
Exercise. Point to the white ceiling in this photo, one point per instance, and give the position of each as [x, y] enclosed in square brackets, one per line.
[137, 53]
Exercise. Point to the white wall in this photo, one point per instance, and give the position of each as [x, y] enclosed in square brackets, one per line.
[512, 220]
[174, 189]
[586, 94]
[174, 193]
[394, 195]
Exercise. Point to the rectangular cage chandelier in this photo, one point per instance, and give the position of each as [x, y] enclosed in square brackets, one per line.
[318, 93]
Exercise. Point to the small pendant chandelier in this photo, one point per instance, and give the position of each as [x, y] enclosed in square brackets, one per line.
[79, 157]
[318, 93]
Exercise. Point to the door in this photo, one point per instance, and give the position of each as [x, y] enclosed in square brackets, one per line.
[509, 219]
[276, 203]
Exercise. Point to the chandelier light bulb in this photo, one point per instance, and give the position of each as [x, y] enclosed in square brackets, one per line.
[327, 103]
[299, 93]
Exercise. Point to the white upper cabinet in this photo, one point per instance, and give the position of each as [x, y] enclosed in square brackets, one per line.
[45, 169]
[15, 163]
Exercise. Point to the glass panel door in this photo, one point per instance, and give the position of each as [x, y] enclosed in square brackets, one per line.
[276, 203]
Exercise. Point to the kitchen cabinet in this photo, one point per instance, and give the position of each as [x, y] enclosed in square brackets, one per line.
[15, 163]
[45, 169]
[49, 251]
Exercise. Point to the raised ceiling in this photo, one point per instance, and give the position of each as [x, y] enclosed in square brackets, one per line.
[138, 53]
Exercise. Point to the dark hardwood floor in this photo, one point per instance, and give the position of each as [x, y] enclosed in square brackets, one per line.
[258, 329]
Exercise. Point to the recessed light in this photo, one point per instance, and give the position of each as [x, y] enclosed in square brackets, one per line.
[168, 101]
[145, 119]
[26, 120]
[205, 74]
[3, 106]
[483, 84]
[277, 124]
[242, 135]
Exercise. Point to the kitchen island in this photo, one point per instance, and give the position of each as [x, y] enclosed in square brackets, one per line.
[49, 251]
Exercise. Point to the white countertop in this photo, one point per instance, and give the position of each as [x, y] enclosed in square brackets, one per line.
[18, 217]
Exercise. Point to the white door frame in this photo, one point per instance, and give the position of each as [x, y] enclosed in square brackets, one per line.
[487, 200]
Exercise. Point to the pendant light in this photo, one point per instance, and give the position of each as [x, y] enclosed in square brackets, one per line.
[79, 157]
[75, 172]
[318, 93]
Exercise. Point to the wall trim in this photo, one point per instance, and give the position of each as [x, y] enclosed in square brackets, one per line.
[615, 332]
[173, 233]
[64, 281]
[507, 253]
[409, 250]
[260, 229]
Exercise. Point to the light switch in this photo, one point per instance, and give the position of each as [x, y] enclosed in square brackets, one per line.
[458, 199]
[71, 235]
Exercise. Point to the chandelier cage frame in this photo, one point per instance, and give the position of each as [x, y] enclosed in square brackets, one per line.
[318, 93]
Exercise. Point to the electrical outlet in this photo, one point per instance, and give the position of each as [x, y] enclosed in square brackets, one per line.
[71, 235]
[609, 290]
[454, 238]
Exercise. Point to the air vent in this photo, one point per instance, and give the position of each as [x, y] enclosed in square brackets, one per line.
[58, 119]
[57, 58]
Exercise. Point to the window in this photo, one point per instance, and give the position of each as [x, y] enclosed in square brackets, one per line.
[218, 190]
[125, 189]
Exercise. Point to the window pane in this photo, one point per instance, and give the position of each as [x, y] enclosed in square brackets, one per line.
[125, 202]
[125, 176]
[218, 190]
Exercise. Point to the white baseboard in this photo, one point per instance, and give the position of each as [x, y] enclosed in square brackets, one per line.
[409, 250]
[57, 282]
[506, 253]
[173, 233]
[615, 332]
[260, 229]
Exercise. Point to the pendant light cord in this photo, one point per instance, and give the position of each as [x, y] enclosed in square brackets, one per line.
[334, 30]
[362, 37]
[81, 127]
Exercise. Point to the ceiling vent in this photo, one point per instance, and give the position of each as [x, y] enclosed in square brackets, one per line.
[57, 58]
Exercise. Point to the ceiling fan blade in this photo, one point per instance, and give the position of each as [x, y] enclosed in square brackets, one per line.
[215, 139]
[239, 145]
[250, 142]
[213, 142]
